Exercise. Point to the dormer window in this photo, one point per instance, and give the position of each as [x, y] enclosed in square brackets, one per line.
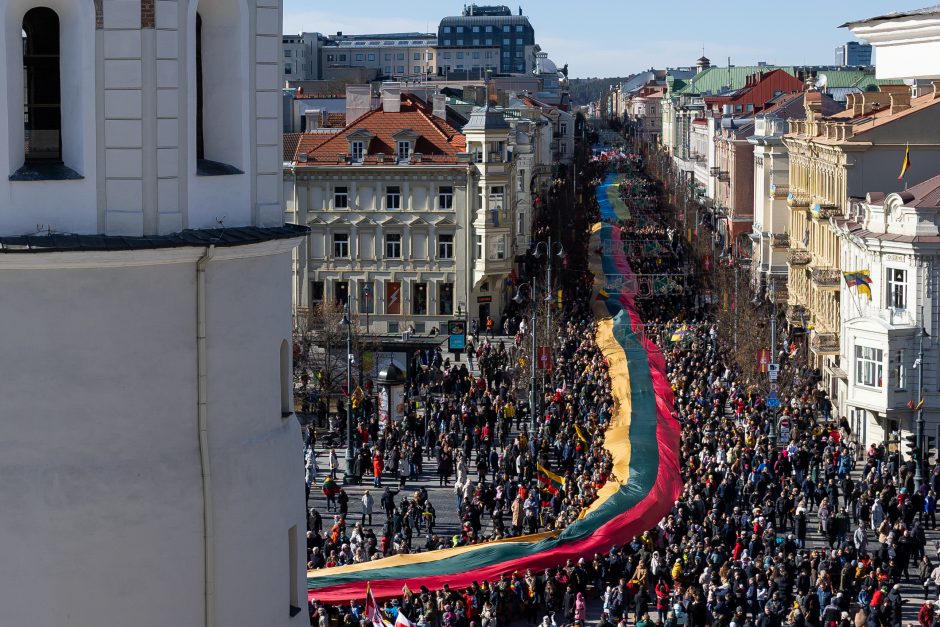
[405, 144]
[404, 150]
[359, 145]
[356, 150]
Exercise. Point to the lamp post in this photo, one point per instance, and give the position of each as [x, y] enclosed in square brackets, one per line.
[367, 295]
[532, 392]
[537, 253]
[349, 359]
[921, 454]
[773, 356]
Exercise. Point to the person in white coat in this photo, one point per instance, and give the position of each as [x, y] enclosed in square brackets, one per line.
[367, 503]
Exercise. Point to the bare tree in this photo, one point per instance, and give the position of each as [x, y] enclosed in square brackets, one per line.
[320, 347]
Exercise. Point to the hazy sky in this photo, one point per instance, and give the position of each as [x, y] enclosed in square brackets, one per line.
[619, 37]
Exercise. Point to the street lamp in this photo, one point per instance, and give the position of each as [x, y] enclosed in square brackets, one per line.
[348, 479]
[532, 395]
[919, 364]
[367, 296]
[773, 357]
[537, 253]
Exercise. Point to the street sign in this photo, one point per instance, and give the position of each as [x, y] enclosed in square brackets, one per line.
[457, 335]
[783, 430]
[774, 387]
[773, 403]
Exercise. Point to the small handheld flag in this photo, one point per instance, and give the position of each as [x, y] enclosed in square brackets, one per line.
[679, 333]
[906, 163]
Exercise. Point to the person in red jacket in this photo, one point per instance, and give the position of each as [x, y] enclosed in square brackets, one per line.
[662, 599]
[926, 614]
[377, 467]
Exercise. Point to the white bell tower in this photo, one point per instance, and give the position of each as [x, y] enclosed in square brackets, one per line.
[149, 454]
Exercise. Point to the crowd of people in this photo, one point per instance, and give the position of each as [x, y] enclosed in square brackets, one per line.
[735, 550]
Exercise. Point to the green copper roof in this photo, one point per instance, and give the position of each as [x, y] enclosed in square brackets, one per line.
[718, 80]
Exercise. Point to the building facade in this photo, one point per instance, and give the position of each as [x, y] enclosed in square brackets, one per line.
[145, 269]
[393, 230]
[480, 27]
[833, 161]
[301, 57]
[853, 53]
[895, 239]
[771, 187]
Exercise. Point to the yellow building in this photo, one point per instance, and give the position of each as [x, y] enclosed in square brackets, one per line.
[834, 162]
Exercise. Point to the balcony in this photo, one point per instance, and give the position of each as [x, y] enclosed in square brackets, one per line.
[798, 200]
[825, 343]
[781, 240]
[799, 257]
[826, 278]
[779, 192]
[797, 316]
[823, 211]
[714, 171]
[781, 293]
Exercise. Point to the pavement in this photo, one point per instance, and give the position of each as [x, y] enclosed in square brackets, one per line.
[443, 498]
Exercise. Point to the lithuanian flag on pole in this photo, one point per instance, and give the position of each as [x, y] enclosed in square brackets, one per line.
[906, 163]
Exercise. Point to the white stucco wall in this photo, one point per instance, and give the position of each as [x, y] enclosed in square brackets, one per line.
[102, 519]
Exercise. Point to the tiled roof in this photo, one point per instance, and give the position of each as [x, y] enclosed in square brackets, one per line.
[866, 122]
[719, 80]
[715, 80]
[290, 145]
[926, 194]
[438, 142]
[790, 107]
[335, 120]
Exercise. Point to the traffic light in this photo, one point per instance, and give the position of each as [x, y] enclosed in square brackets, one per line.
[930, 448]
[912, 452]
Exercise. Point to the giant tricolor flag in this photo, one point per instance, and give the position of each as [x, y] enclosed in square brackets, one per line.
[640, 490]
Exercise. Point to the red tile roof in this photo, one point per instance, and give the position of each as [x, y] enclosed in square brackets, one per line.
[438, 142]
[290, 145]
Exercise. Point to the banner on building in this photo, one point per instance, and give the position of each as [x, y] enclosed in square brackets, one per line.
[393, 298]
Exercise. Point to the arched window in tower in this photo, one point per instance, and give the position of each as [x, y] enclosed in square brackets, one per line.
[42, 95]
[220, 83]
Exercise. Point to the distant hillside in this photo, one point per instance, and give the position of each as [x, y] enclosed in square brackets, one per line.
[585, 90]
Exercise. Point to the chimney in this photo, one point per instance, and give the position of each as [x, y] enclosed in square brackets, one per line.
[391, 97]
[440, 106]
[313, 119]
[900, 101]
[936, 89]
[358, 102]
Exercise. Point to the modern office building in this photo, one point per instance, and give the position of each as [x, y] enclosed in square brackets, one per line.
[151, 464]
[853, 53]
[489, 26]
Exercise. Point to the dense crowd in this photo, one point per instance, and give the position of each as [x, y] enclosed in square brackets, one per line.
[733, 551]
